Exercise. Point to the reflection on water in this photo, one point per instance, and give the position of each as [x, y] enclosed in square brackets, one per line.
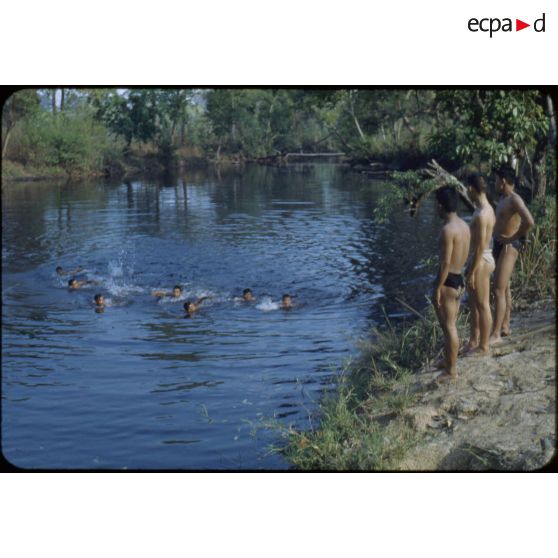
[141, 385]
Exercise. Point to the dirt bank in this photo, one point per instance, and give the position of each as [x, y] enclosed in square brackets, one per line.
[501, 413]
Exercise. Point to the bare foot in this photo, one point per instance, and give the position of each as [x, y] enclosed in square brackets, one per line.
[477, 352]
[471, 345]
[445, 377]
[494, 340]
[506, 333]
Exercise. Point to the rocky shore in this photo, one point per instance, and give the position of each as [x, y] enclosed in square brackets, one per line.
[501, 412]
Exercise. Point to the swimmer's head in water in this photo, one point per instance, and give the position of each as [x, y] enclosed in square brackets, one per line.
[189, 306]
[286, 301]
[99, 300]
[60, 270]
[73, 284]
[247, 294]
[176, 291]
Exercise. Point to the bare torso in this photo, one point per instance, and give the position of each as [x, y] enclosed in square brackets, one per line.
[482, 226]
[508, 219]
[460, 238]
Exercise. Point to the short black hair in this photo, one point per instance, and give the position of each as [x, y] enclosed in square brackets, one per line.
[507, 173]
[286, 295]
[70, 281]
[448, 198]
[177, 287]
[186, 304]
[59, 268]
[246, 291]
[97, 297]
[477, 181]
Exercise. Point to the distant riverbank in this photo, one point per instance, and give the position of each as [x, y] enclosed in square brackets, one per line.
[129, 166]
[141, 162]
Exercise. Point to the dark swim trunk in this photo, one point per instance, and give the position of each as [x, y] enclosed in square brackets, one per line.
[455, 281]
[497, 247]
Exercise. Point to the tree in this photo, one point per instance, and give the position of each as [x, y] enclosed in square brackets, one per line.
[493, 127]
[264, 122]
[131, 115]
[18, 106]
[173, 104]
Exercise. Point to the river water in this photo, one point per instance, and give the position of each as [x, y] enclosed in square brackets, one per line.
[141, 386]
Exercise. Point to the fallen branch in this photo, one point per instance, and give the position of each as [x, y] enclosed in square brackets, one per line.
[442, 177]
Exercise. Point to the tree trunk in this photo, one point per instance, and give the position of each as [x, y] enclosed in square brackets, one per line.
[540, 177]
[409, 126]
[62, 93]
[53, 100]
[351, 110]
[540, 180]
[552, 120]
[544, 146]
[5, 140]
[182, 131]
[359, 129]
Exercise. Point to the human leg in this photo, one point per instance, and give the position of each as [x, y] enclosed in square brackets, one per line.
[441, 362]
[473, 318]
[450, 307]
[507, 316]
[482, 283]
[504, 269]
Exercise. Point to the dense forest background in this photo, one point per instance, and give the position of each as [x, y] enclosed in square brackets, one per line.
[116, 131]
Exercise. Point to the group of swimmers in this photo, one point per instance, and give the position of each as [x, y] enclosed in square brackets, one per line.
[190, 306]
[491, 244]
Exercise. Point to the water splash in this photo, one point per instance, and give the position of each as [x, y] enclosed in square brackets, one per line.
[267, 305]
[119, 272]
[192, 293]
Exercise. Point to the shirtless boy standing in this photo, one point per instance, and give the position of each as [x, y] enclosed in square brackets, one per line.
[454, 247]
[513, 221]
[481, 266]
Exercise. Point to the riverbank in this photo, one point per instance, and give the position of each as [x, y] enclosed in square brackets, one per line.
[127, 167]
[391, 415]
[148, 161]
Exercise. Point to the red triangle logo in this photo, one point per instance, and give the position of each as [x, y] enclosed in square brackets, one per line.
[519, 25]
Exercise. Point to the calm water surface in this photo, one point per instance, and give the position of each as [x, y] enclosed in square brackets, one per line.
[140, 385]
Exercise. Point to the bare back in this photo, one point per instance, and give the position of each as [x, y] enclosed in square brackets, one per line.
[455, 239]
[482, 226]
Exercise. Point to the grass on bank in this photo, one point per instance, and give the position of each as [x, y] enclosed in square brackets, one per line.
[362, 425]
[12, 170]
[534, 276]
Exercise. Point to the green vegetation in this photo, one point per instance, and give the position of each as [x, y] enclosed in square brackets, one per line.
[88, 131]
[363, 425]
[534, 277]
[489, 128]
[45, 142]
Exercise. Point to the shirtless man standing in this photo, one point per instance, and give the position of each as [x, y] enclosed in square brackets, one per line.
[454, 247]
[481, 266]
[513, 221]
